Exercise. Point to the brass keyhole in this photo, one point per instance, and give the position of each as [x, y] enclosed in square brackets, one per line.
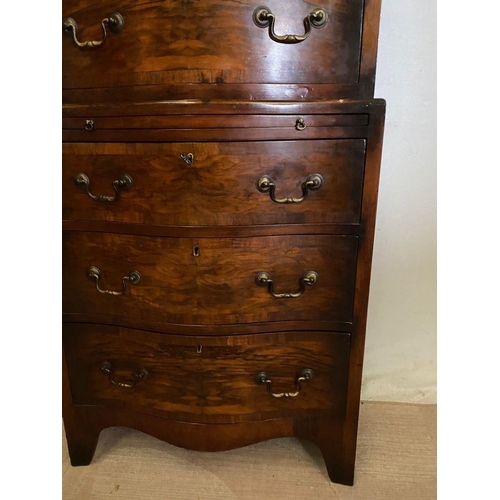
[199, 349]
[196, 251]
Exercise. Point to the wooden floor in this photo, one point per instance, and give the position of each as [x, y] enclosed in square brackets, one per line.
[396, 460]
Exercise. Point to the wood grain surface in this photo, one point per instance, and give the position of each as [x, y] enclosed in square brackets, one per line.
[215, 287]
[213, 135]
[216, 91]
[219, 187]
[212, 121]
[211, 42]
[199, 77]
[228, 107]
[200, 379]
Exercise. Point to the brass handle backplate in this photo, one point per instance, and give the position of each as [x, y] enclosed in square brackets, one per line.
[264, 279]
[134, 277]
[114, 22]
[123, 183]
[263, 18]
[305, 375]
[266, 185]
[142, 374]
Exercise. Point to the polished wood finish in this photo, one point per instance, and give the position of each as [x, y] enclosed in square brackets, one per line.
[208, 380]
[211, 42]
[217, 91]
[222, 134]
[213, 121]
[363, 274]
[204, 231]
[227, 107]
[335, 437]
[215, 287]
[84, 424]
[201, 78]
[170, 60]
[219, 187]
[210, 330]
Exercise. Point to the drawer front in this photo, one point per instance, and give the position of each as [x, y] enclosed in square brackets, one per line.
[209, 280]
[217, 185]
[200, 121]
[212, 379]
[166, 42]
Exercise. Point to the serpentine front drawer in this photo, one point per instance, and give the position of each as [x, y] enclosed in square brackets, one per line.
[219, 184]
[132, 279]
[223, 379]
[221, 41]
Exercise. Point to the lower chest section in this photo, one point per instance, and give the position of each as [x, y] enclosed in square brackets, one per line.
[218, 275]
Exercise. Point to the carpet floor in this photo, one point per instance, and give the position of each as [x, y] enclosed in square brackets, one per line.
[396, 459]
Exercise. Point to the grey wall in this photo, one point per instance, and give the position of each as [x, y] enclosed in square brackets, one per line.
[400, 359]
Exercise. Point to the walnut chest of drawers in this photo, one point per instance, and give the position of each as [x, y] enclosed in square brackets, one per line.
[220, 174]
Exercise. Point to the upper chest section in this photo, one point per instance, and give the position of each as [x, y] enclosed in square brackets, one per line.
[174, 42]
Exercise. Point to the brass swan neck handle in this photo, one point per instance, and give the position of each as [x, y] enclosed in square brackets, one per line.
[123, 183]
[305, 375]
[266, 185]
[264, 279]
[114, 22]
[142, 374]
[134, 277]
[263, 18]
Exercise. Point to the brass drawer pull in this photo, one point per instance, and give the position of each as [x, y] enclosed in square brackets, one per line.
[124, 183]
[94, 274]
[309, 279]
[263, 17]
[306, 375]
[300, 124]
[114, 22]
[142, 374]
[266, 185]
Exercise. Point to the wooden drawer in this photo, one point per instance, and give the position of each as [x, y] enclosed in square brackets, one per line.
[219, 185]
[209, 280]
[166, 42]
[208, 379]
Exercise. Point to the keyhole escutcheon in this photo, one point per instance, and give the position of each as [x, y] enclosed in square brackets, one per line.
[188, 158]
[196, 251]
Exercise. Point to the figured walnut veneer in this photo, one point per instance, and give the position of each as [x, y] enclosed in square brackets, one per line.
[219, 191]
